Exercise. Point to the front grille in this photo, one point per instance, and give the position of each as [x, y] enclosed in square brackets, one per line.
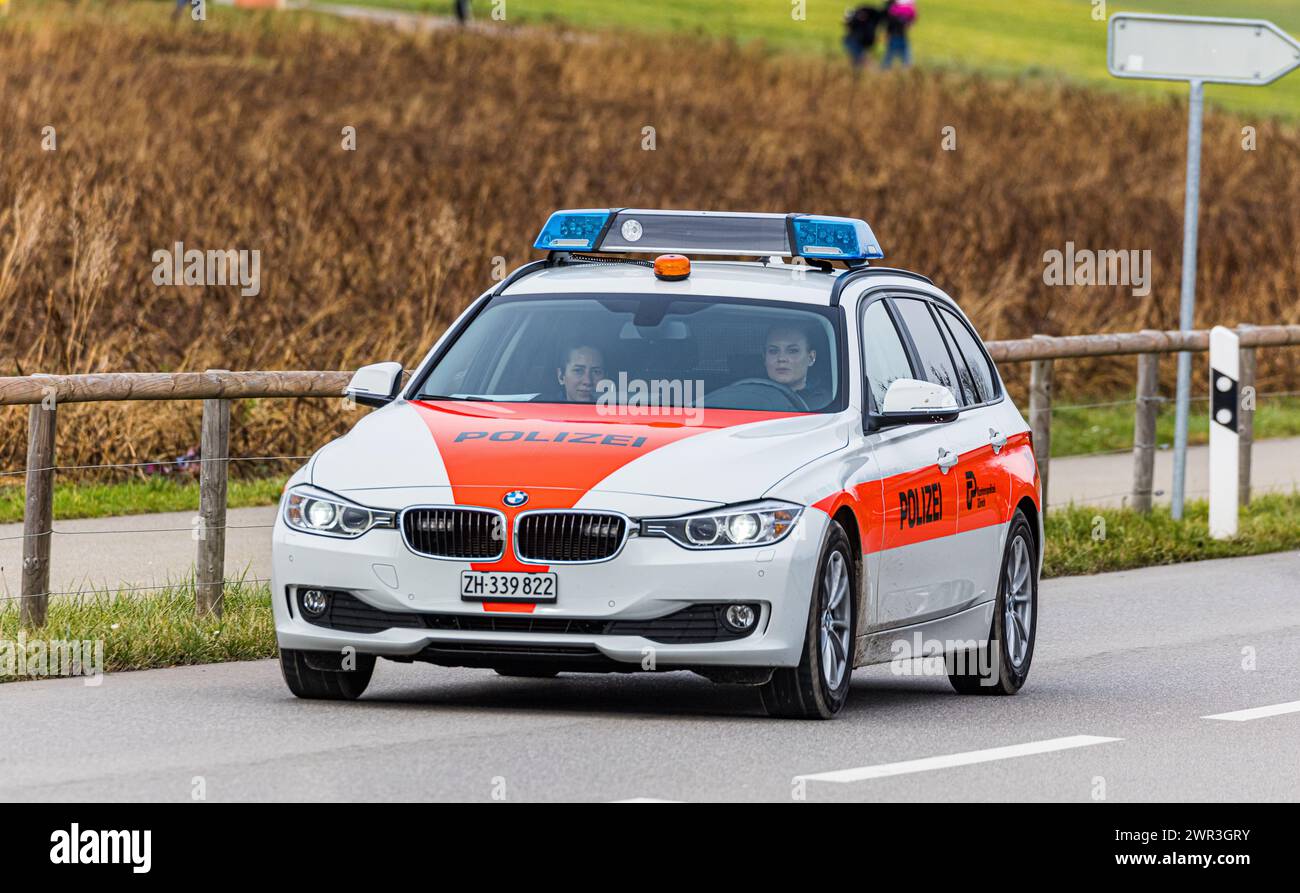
[694, 624]
[565, 537]
[471, 534]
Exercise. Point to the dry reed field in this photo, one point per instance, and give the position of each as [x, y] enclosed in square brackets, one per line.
[228, 134]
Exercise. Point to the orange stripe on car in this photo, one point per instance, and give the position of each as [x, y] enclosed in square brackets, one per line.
[557, 452]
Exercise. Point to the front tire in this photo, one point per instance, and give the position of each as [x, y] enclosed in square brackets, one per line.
[819, 686]
[305, 678]
[1001, 665]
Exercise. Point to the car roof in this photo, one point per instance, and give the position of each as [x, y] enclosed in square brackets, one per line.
[722, 279]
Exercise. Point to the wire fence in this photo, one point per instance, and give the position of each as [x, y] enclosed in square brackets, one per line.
[196, 462]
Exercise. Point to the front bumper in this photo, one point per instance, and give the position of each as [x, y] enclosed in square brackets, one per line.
[651, 578]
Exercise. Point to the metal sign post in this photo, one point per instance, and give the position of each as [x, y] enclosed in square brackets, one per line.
[1199, 50]
[1225, 407]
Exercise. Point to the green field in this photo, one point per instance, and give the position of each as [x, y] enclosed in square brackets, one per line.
[1082, 429]
[136, 497]
[1052, 38]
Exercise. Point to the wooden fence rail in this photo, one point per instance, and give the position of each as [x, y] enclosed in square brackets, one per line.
[216, 388]
[1042, 351]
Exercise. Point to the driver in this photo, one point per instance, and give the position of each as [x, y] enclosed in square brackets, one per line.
[581, 367]
[788, 357]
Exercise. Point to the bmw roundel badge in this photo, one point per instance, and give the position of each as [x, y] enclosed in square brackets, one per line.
[515, 498]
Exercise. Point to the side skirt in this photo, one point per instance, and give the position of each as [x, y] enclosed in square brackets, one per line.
[971, 624]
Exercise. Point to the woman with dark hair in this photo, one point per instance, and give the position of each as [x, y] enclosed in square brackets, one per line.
[788, 357]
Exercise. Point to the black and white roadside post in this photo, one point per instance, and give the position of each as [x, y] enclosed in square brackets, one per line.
[1225, 409]
[1200, 51]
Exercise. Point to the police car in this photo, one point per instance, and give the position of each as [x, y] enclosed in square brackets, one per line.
[625, 458]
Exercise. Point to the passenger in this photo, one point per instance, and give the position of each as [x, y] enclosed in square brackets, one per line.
[581, 368]
[788, 358]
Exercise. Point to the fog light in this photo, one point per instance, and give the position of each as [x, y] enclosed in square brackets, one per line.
[314, 602]
[740, 617]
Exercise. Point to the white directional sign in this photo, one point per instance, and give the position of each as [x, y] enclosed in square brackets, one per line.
[1199, 50]
[1192, 48]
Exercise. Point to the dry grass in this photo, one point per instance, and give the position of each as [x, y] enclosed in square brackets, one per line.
[227, 135]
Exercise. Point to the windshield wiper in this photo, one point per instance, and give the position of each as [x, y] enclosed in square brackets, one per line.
[469, 398]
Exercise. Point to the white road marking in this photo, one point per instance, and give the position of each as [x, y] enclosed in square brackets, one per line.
[1257, 712]
[947, 761]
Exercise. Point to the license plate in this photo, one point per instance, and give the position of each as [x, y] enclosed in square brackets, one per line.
[489, 586]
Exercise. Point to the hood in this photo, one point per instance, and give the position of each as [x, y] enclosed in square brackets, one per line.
[564, 455]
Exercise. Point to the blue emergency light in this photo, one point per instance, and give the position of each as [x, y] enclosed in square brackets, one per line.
[625, 230]
[572, 231]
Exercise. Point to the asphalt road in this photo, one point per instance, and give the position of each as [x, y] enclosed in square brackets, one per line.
[1127, 668]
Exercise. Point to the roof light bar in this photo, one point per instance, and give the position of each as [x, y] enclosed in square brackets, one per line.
[625, 230]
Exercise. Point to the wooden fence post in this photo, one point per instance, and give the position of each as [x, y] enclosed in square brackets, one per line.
[1246, 425]
[214, 452]
[38, 514]
[1040, 417]
[1144, 431]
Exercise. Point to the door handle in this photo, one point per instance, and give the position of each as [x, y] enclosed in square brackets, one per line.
[947, 459]
[998, 439]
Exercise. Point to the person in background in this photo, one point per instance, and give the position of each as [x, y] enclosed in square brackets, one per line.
[462, 11]
[900, 15]
[861, 25]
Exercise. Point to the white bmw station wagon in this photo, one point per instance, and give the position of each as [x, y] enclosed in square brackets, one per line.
[768, 471]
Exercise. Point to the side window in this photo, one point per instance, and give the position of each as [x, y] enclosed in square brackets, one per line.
[883, 356]
[936, 363]
[968, 395]
[982, 380]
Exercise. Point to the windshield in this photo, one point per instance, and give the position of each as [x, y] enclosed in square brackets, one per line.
[645, 350]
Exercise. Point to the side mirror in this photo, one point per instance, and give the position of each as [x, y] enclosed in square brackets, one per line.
[376, 384]
[912, 402]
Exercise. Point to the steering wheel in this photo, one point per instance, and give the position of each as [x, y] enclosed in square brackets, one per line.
[788, 392]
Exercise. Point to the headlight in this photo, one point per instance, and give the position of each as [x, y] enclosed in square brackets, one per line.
[315, 511]
[751, 524]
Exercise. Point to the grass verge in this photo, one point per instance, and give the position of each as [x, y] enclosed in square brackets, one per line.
[142, 632]
[1083, 540]
[160, 630]
[137, 497]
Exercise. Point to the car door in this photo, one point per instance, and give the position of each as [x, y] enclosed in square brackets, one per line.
[984, 506]
[920, 501]
[925, 570]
